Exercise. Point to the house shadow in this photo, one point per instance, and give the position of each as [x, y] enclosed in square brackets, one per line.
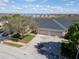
[52, 50]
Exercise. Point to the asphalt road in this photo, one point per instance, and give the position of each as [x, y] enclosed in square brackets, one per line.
[7, 52]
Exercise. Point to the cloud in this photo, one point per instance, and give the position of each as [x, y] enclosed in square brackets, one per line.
[1, 1]
[41, 9]
[15, 7]
[40, 1]
[30, 0]
[4, 2]
[2, 8]
[13, 1]
[64, 0]
[43, 1]
[36, 8]
[71, 3]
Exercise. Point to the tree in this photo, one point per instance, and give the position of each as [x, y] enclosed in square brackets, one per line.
[4, 17]
[73, 33]
[18, 23]
[33, 26]
[73, 40]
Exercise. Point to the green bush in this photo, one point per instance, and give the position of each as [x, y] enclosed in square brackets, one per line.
[68, 52]
[73, 37]
[17, 35]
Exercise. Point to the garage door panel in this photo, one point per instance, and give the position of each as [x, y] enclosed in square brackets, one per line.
[56, 33]
[43, 32]
[50, 33]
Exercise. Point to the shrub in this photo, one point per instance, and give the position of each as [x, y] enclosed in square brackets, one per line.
[17, 35]
[73, 37]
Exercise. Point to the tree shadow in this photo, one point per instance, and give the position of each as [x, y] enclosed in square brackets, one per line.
[68, 53]
[51, 50]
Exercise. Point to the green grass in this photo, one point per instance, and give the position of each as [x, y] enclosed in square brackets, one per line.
[65, 41]
[13, 44]
[27, 38]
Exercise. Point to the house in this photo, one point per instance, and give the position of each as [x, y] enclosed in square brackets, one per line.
[2, 22]
[53, 27]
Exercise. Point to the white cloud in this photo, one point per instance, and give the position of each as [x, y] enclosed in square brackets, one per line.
[30, 0]
[3, 4]
[43, 9]
[12, 1]
[2, 8]
[16, 7]
[40, 1]
[1, 1]
[65, 0]
[43, 1]
[38, 9]
[71, 3]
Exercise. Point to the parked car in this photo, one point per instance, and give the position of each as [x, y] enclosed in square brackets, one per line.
[1, 30]
[16, 35]
[5, 33]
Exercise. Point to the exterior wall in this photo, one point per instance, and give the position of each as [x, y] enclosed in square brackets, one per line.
[1, 25]
[50, 32]
[43, 32]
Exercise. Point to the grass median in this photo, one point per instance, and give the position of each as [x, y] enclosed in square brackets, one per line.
[27, 38]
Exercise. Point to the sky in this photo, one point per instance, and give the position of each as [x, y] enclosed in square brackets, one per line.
[39, 6]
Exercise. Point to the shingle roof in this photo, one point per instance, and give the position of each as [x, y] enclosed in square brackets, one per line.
[48, 23]
[66, 22]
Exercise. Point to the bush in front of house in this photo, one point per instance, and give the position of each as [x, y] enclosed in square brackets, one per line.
[66, 52]
[16, 37]
[69, 49]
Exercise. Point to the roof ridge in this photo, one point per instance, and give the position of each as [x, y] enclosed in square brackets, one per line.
[59, 24]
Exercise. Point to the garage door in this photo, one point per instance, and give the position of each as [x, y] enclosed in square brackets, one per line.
[50, 33]
[44, 32]
[56, 33]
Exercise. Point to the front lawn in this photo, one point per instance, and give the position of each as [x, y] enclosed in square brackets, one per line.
[27, 38]
[20, 43]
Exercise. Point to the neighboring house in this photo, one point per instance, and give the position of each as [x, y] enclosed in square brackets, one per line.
[53, 27]
[2, 22]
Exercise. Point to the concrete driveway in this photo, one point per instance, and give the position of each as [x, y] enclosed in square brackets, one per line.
[28, 51]
[30, 47]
